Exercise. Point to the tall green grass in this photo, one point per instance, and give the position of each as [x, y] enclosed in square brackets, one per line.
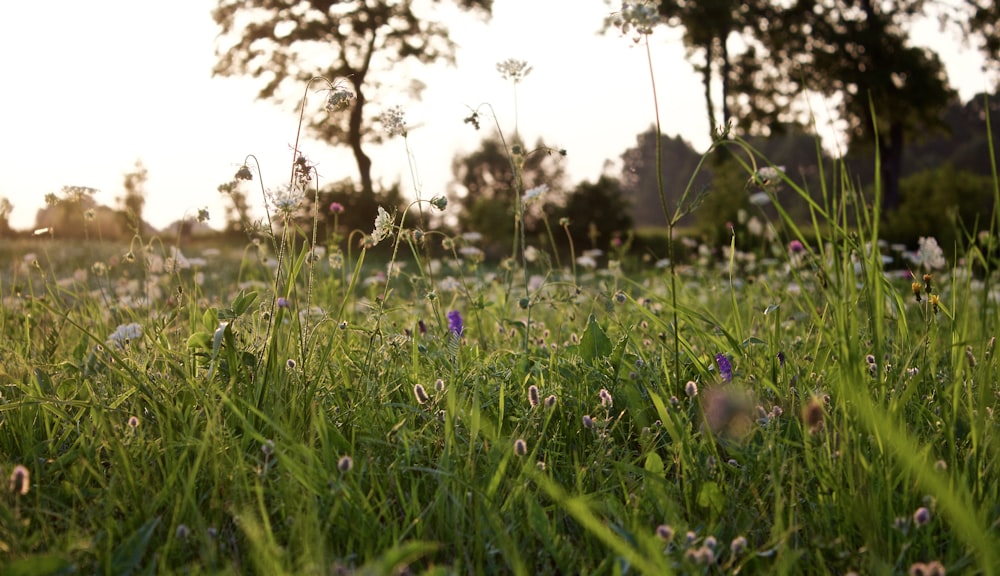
[771, 411]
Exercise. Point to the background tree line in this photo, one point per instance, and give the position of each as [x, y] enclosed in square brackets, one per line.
[757, 58]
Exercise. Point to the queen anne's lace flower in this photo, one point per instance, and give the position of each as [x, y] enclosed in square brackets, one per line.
[513, 69]
[637, 18]
[339, 100]
[394, 122]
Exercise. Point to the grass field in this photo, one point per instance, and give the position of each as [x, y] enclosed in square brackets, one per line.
[804, 407]
[798, 409]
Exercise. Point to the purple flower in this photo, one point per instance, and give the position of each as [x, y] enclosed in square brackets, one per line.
[455, 323]
[283, 302]
[725, 368]
[421, 327]
[336, 207]
[781, 359]
[795, 247]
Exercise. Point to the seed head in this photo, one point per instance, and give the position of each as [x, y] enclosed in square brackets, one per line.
[691, 388]
[665, 532]
[606, 400]
[550, 401]
[738, 545]
[922, 516]
[520, 447]
[420, 394]
[588, 422]
[439, 202]
[345, 464]
[20, 480]
[533, 396]
[812, 415]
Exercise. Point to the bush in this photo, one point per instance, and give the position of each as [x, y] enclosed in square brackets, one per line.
[941, 202]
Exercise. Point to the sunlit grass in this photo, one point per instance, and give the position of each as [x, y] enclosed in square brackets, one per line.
[804, 400]
[857, 432]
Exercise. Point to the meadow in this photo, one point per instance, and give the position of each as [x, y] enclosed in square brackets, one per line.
[794, 409]
[807, 400]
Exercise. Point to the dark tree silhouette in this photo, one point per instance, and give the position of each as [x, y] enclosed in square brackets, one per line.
[134, 199]
[280, 41]
[484, 183]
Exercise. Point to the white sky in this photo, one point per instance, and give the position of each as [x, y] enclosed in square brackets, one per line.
[90, 87]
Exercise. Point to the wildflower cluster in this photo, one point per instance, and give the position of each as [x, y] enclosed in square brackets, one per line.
[513, 69]
[927, 288]
[340, 99]
[637, 19]
[394, 122]
[285, 198]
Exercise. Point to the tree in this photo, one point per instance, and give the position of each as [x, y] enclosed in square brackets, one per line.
[76, 214]
[638, 180]
[135, 196]
[277, 40]
[5, 210]
[486, 187]
[859, 51]
[748, 87]
[597, 211]
[856, 51]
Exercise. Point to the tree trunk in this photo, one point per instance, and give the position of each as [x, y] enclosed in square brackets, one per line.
[707, 81]
[892, 166]
[354, 139]
[727, 70]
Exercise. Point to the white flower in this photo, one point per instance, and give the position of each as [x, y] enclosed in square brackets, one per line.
[535, 193]
[339, 100]
[125, 333]
[929, 255]
[286, 198]
[394, 122]
[639, 18]
[383, 226]
[513, 69]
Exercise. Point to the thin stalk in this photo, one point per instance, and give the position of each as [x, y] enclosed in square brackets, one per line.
[667, 215]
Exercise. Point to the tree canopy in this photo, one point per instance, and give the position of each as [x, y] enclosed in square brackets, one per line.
[281, 41]
[859, 53]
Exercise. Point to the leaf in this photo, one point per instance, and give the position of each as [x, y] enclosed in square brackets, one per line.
[42, 565]
[243, 302]
[710, 496]
[201, 340]
[128, 555]
[594, 344]
[770, 309]
[654, 464]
